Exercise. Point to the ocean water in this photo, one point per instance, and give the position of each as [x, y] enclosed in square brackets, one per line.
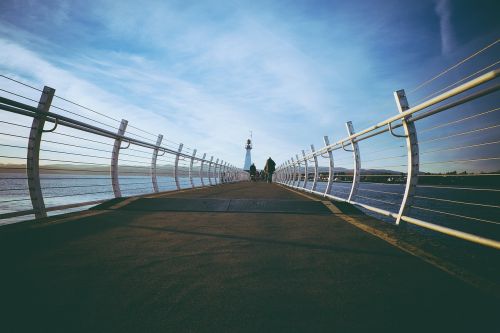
[64, 189]
[470, 211]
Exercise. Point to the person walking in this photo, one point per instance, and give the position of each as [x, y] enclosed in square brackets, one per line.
[253, 172]
[269, 169]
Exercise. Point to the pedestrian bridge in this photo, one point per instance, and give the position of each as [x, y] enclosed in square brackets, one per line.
[235, 257]
[166, 239]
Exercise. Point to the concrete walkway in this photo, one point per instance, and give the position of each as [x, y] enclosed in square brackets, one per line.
[249, 257]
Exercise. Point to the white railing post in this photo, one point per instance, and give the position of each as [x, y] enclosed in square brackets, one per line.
[153, 163]
[330, 166]
[176, 167]
[357, 163]
[315, 180]
[290, 173]
[216, 180]
[210, 171]
[306, 171]
[201, 169]
[286, 173]
[294, 172]
[191, 169]
[225, 173]
[299, 173]
[115, 183]
[33, 154]
[413, 155]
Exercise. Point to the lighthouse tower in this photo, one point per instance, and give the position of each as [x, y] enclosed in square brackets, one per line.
[248, 158]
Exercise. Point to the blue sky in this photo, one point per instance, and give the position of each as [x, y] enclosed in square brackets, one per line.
[205, 73]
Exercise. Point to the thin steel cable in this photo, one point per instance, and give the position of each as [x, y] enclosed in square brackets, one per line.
[14, 200]
[12, 189]
[81, 138]
[459, 134]
[24, 84]
[74, 178]
[457, 202]
[143, 157]
[14, 124]
[384, 158]
[378, 200]
[381, 150]
[77, 194]
[464, 175]
[457, 121]
[385, 192]
[73, 186]
[79, 115]
[72, 170]
[461, 188]
[456, 215]
[143, 131]
[456, 83]
[13, 157]
[73, 162]
[4, 145]
[458, 148]
[86, 108]
[13, 135]
[10, 92]
[138, 136]
[74, 154]
[463, 161]
[76, 146]
[454, 66]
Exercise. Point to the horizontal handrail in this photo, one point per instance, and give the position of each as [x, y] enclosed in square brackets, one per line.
[345, 186]
[185, 162]
[383, 125]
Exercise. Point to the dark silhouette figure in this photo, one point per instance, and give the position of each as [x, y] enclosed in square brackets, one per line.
[253, 172]
[269, 169]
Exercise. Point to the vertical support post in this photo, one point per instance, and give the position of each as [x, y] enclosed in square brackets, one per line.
[33, 154]
[219, 173]
[191, 169]
[294, 172]
[315, 180]
[357, 163]
[330, 166]
[176, 166]
[299, 173]
[153, 163]
[413, 156]
[210, 170]
[306, 171]
[201, 169]
[114, 159]
[224, 173]
[290, 173]
[216, 180]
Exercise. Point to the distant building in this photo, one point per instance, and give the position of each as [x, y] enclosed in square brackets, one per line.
[248, 157]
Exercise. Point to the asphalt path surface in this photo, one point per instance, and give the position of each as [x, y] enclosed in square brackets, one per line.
[253, 257]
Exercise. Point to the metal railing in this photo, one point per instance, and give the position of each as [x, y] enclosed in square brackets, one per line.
[86, 161]
[461, 204]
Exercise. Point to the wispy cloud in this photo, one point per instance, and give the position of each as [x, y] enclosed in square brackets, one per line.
[443, 10]
[205, 73]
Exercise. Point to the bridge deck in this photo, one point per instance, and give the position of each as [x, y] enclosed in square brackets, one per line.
[247, 257]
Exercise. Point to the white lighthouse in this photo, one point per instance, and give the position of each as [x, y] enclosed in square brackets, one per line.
[248, 157]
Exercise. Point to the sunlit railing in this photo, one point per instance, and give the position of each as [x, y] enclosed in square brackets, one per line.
[81, 160]
[418, 186]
